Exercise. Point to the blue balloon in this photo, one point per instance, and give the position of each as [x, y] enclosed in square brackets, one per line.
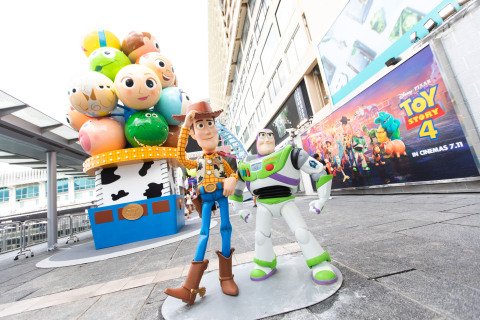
[173, 101]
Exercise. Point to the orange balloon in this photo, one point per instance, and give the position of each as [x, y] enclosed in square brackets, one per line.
[76, 119]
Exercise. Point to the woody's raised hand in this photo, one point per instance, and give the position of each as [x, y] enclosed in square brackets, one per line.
[189, 119]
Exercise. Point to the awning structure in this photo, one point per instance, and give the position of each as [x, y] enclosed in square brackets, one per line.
[26, 135]
[32, 139]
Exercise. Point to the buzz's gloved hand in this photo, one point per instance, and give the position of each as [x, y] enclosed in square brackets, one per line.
[324, 186]
[238, 208]
[316, 206]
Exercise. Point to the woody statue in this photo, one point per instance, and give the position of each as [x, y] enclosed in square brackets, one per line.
[216, 182]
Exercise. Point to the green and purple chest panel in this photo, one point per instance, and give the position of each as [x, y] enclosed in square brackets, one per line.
[264, 167]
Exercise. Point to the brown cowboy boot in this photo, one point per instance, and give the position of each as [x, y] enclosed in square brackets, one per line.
[225, 274]
[189, 289]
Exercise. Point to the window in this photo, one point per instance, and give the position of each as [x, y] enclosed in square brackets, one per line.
[261, 109]
[251, 126]
[82, 183]
[276, 83]
[4, 194]
[283, 14]
[257, 78]
[27, 192]
[263, 106]
[282, 73]
[292, 55]
[251, 5]
[246, 26]
[250, 54]
[248, 103]
[271, 91]
[62, 185]
[239, 58]
[245, 136]
[262, 13]
[269, 47]
[301, 42]
[297, 47]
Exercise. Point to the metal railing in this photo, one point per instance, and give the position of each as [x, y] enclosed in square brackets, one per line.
[20, 235]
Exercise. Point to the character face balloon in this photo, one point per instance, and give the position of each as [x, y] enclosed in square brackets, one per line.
[93, 94]
[98, 39]
[100, 135]
[173, 101]
[138, 87]
[108, 61]
[161, 66]
[136, 44]
[76, 119]
[146, 128]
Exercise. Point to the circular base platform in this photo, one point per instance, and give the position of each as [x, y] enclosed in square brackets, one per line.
[290, 288]
[86, 252]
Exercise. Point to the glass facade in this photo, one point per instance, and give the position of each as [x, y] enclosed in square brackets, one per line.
[82, 183]
[26, 192]
[62, 185]
[269, 48]
[284, 12]
[4, 194]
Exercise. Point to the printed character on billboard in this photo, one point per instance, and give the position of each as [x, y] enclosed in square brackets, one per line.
[273, 177]
[216, 181]
[359, 148]
[339, 166]
[390, 124]
[347, 140]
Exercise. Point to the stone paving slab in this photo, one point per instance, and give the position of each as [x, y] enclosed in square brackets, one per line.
[401, 257]
[360, 298]
[446, 297]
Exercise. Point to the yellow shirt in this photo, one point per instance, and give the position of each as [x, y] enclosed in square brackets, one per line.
[191, 164]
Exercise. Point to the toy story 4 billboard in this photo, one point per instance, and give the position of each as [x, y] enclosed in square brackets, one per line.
[401, 129]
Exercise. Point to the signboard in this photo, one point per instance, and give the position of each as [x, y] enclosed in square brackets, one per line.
[403, 128]
[366, 34]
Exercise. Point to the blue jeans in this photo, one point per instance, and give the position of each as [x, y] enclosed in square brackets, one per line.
[225, 226]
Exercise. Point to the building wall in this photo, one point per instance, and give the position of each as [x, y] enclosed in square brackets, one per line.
[65, 200]
[457, 48]
[249, 103]
[250, 93]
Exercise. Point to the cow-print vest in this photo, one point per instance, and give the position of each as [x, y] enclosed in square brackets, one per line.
[217, 165]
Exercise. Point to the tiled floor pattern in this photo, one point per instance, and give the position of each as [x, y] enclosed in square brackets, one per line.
[125, 283]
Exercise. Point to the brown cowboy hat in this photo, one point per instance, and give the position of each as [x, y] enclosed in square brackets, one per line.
[203, 108]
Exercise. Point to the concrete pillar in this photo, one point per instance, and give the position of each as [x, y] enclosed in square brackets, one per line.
[52, 220]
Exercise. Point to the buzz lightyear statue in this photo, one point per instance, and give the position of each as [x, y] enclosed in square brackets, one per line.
[273, 177]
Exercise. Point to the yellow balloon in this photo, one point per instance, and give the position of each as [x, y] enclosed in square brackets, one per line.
[97, 39]
[192, 172]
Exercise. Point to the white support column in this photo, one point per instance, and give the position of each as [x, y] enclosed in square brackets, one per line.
[52, 220]
[12, 203]
[71, 190]
[42, 185]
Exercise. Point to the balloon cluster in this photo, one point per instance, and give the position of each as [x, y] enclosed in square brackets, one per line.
[129, 94]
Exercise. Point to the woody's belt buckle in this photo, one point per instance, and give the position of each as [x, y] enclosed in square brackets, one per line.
[210, 187]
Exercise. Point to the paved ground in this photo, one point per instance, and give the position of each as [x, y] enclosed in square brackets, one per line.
[401, 256]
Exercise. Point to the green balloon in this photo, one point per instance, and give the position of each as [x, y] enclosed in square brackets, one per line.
[146, 129]
[108, 61]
